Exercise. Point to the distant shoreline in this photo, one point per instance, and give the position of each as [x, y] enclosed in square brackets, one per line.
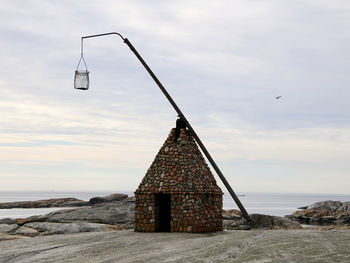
[264, 203]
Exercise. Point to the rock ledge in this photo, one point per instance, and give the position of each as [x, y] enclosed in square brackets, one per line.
[323, 213]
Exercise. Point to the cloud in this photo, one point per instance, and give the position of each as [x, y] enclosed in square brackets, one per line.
[223, 63]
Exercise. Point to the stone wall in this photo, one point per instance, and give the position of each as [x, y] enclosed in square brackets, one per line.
[196, 212]
[145, 216]
[190, 212]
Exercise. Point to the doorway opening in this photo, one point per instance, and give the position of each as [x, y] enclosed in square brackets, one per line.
[163, 206]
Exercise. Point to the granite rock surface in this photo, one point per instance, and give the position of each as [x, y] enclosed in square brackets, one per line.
[324, 213]
[54, 202]
[227, 246]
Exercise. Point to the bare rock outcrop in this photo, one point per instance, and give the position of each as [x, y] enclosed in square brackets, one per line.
[66, 202]
[260, 221]
[106, 199]
[231, 214]
[226, 246]
[323, 213]
[54, 202]
[112, 213]
[47, 228]
[27, 231]
[6, 228]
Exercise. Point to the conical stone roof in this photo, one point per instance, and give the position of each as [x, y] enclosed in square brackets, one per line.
[179, 167]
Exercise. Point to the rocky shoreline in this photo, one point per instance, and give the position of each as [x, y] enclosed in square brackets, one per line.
[116, 212]
[63, 202]
[90, 236]
[113, 212]
[323, 213]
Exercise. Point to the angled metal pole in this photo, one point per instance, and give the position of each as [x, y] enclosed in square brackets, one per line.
[177, 109]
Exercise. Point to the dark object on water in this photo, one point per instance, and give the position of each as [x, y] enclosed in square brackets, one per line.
[278, 97]
[180, 124]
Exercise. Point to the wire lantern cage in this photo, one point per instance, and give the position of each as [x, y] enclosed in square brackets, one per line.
[81, 77]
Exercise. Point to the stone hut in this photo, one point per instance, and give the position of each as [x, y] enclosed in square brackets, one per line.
[178, 192]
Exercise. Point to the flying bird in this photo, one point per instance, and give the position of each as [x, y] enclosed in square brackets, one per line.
[278, 97]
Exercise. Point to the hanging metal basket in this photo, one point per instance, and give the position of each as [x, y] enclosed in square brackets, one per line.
[81, 77]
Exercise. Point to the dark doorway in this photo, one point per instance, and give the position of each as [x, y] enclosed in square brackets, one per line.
[163, 205]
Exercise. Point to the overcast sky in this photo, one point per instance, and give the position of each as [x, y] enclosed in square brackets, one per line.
[224, 63]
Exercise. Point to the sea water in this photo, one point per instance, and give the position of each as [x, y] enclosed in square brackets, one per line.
[7, 196]
[278, 204]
